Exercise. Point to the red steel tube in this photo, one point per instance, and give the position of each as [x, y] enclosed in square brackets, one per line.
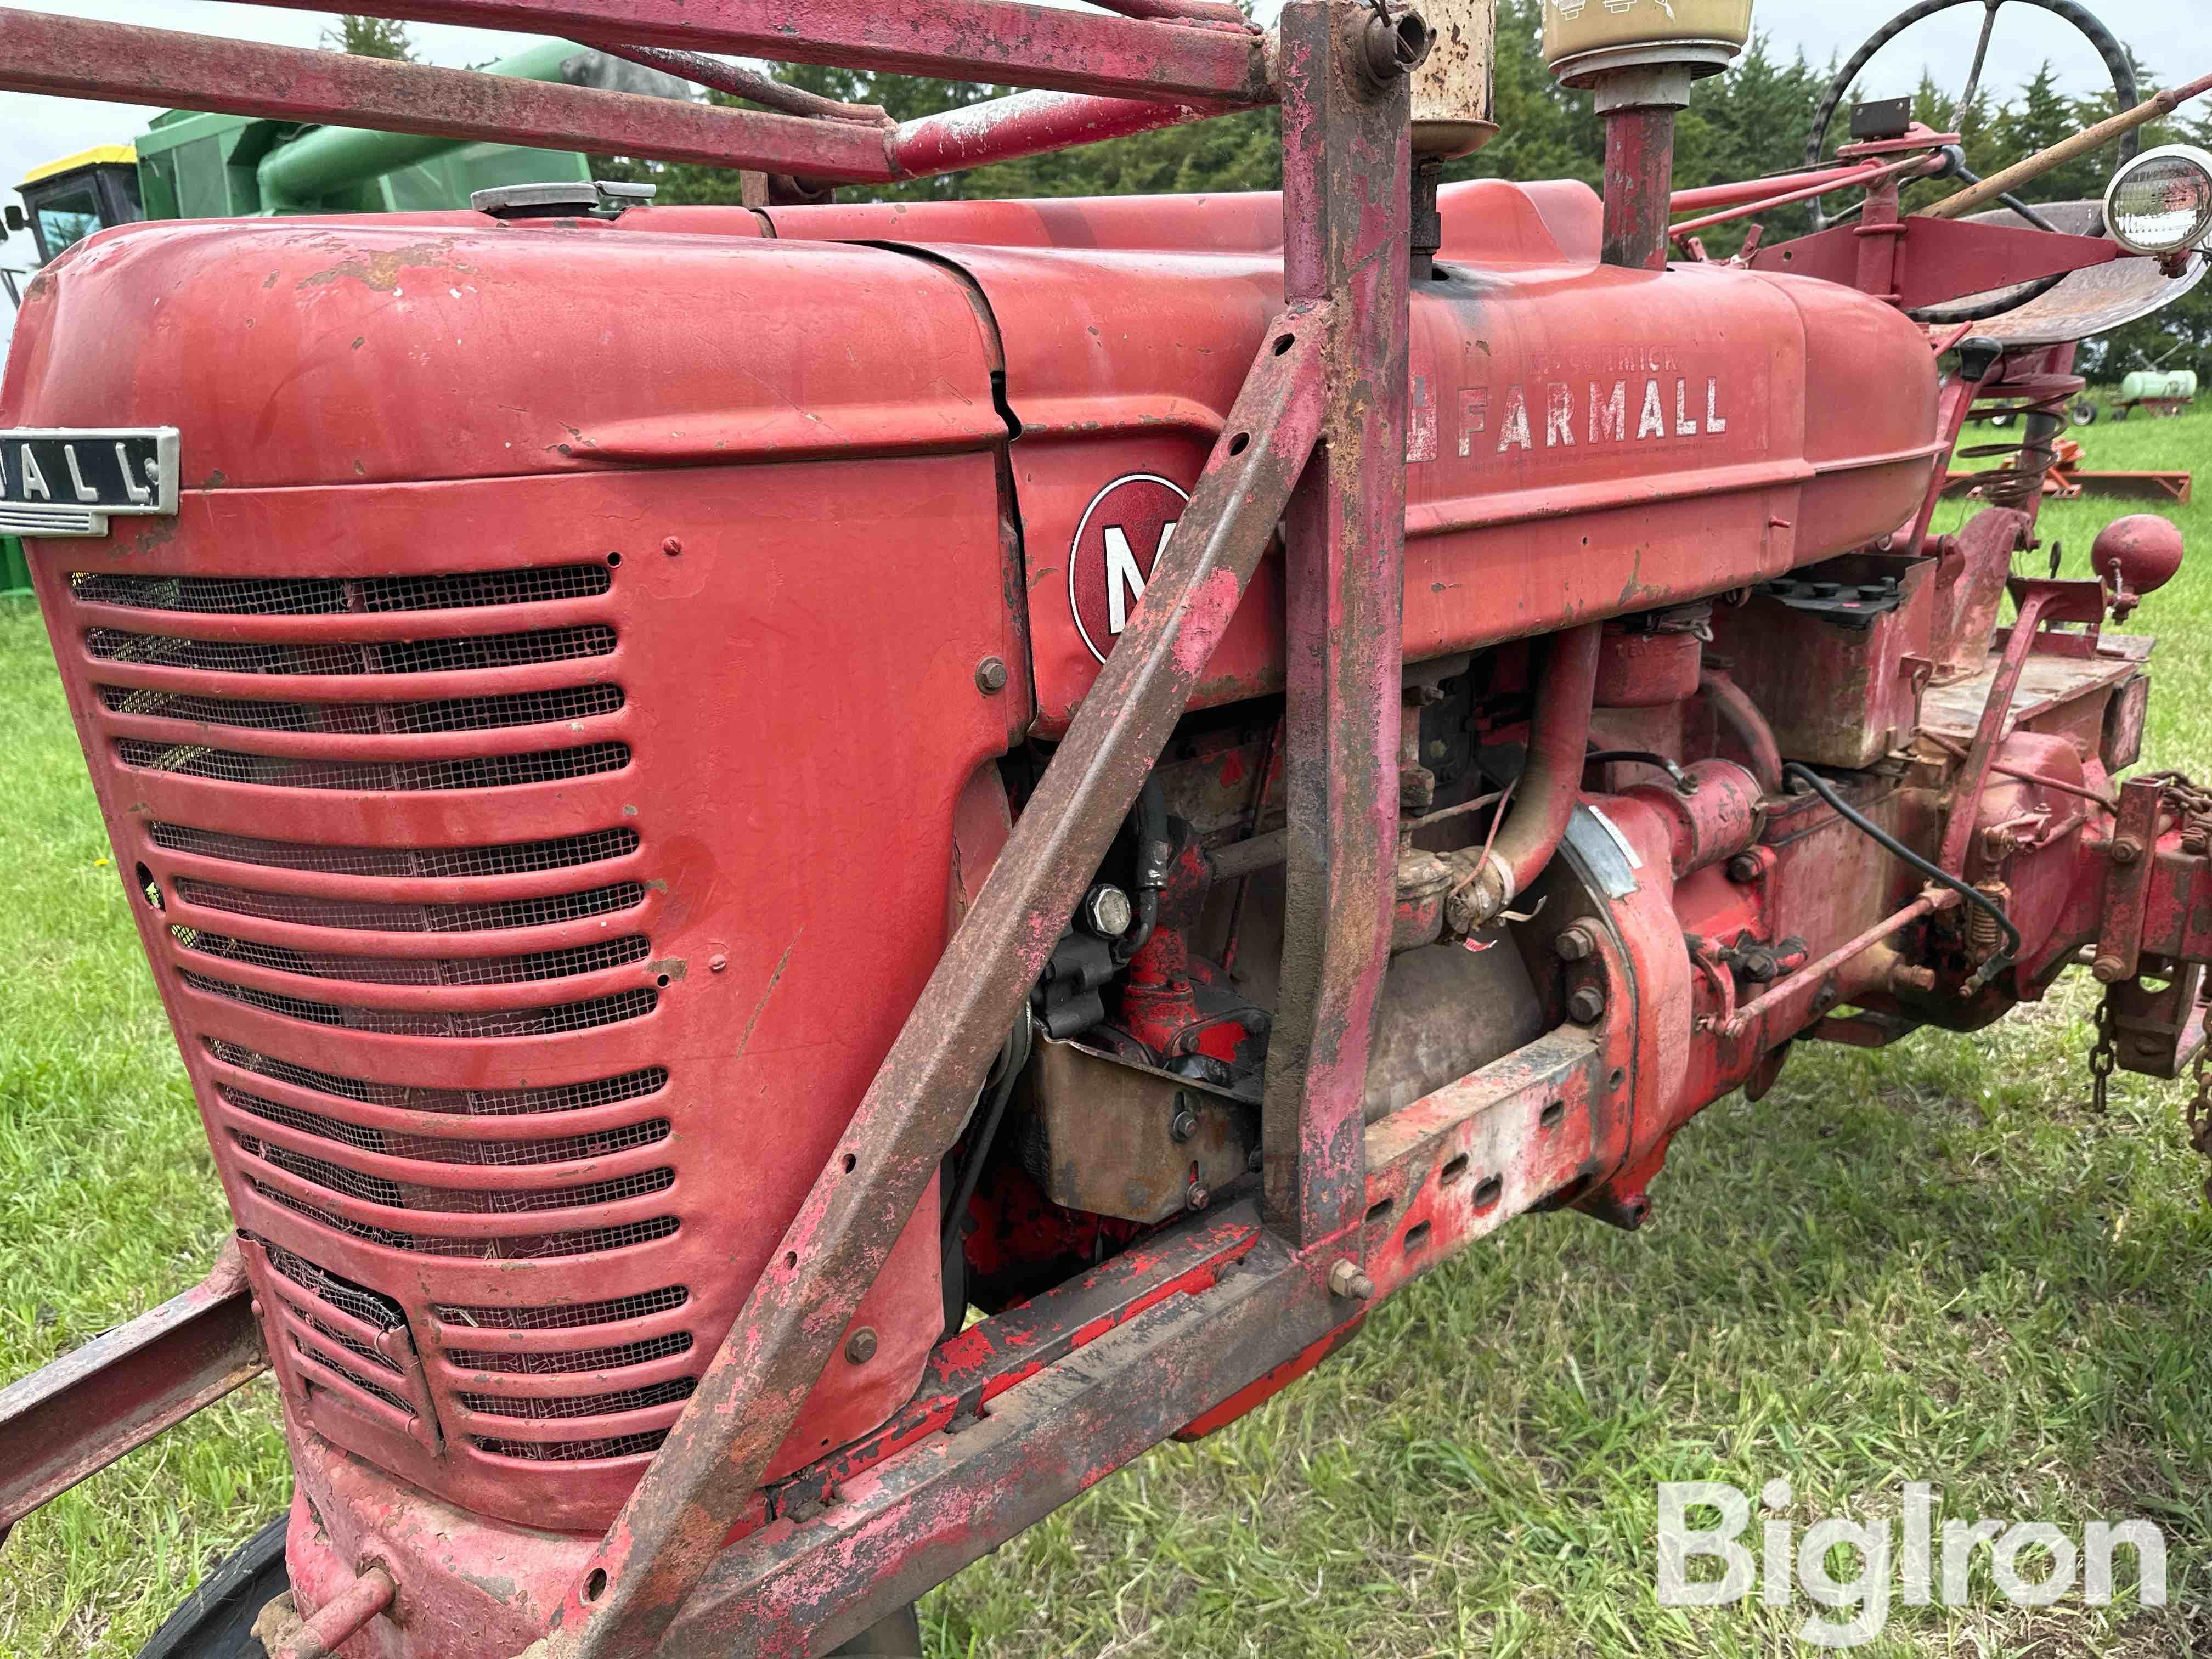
[1758, 190]
[335, 1622]
[1865, 176]
[1744, 1017]
[1027, 124]
[1180, 11]
[1639, 166]
[749, 84]
[75, 57]
[1733, 705]
[1558, 735]
[1009, 42]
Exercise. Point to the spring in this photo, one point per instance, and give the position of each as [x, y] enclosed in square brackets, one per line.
[1984, 937]
[2016, 480]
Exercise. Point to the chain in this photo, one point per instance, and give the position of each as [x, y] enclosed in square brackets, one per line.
[2103, 1057]
[2192, 805]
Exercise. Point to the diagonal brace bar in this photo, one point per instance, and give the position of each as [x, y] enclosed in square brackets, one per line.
[1005, 41]
[74, 58]
[675, 1521]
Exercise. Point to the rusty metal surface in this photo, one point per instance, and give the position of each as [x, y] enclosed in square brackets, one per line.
[74, 1417]
[1639, 180]
[2096, 301]
[1114, 1142]
[798, 1588]
[717, 1451]
[2131, 863]
[1347, 183]
[1003, 42]
[77, 57]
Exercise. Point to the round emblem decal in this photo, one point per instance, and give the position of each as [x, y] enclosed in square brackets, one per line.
[1116, 543]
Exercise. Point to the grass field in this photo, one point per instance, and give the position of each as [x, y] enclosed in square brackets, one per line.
[1931, 1264]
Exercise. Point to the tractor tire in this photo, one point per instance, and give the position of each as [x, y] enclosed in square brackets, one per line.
[2084, 412]
[216, 1619]
[2121, 411]
[898, 1637]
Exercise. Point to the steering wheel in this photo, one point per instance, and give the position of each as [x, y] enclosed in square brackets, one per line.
[2114, 54]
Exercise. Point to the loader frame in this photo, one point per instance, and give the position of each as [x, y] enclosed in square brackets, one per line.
[1026, 1411]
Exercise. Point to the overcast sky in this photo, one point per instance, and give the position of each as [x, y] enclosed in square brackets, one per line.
[2173, 36]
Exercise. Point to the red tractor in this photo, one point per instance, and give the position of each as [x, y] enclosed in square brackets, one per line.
[716, 791]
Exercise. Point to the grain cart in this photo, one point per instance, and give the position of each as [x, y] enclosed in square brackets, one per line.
[823, 869]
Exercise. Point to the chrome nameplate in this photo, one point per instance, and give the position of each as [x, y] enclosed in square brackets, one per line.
[69, 481]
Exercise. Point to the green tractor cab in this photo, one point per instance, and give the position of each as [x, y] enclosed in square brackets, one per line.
[66, 201]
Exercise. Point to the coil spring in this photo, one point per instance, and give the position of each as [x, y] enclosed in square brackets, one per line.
[2017, 479]
[1984, 938]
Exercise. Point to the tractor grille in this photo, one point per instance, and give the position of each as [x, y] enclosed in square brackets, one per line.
[420, 993]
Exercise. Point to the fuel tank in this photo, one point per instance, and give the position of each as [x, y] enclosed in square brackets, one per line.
[1583, 441]
[553, 738]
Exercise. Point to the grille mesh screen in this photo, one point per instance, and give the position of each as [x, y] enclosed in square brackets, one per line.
[293, 596]
[471, 1102]
[584, 1359]
[449, 1201]
[417, 971]
[435, 656]
[322, 1361]
[574, 703]
[516, 857]
[432, 1149]
[565, 1317]
[194, 760]
[325, 1146]
[495, 1023]
[571, 1451]
[370, 1307]
[584, 1405]
[520, 1247]
[308, 912]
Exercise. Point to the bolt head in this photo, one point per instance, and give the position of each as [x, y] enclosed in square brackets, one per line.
[1107, 911]
[1197, 1198]
[2126, 850]
[1743, 867]
[860, 1346]
[1347, 1280]
[1574, 945]
[2109, 970]
[991, 675]
[1184, 1123]
[1586, 1005]
[672, 546]
[716, 963]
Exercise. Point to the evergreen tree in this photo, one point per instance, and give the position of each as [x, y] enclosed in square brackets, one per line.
[371, 37]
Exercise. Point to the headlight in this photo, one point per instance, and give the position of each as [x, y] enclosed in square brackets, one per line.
[2161, 201]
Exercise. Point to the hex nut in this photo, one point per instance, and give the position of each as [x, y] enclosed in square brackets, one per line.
[1586, 1005]
[1347, 1280]
[2126, 850]
[1574, 944]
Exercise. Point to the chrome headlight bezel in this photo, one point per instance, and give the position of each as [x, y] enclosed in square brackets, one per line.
[2198, 230]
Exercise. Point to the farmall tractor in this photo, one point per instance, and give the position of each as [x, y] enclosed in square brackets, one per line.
[824, 868]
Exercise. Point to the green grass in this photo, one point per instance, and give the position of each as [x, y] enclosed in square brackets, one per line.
[1932, 1263]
